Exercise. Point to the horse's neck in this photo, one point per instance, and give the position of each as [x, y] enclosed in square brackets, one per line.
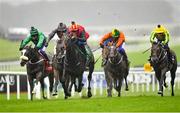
[36, 57]
[118, 57]
[71, 55]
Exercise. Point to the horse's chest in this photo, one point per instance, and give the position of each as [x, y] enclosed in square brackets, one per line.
[114, 69]
[33, 69]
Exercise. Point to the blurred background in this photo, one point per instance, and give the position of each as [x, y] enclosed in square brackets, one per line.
[136, 18]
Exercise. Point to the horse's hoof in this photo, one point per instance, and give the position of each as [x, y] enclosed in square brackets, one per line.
[119, 95]
[172, 94]
[162, 95]
[54, 94]
[65, 97]
[69, 94]
[159, 92]
[79, 90]
[76, 90]
[89, 94]
[109, 96]
[165, 85]
[44, 97]
[127, 89]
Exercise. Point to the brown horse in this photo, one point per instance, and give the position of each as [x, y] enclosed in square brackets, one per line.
[36, 69]
[161, 64]
[115, 69]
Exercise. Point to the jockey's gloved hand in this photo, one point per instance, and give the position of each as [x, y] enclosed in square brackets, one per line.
[46, 44]
[36, 48]
[20, 49]
[101, 45]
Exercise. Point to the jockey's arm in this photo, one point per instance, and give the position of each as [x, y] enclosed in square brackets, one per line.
[25, 42]
[121, 39]
[82, 39]
[41, 40]
[105, 37]
[152, 37]
[51, 35]
[167, 37]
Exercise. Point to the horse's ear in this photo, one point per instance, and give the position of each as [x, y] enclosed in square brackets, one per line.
[110, 43]
[30, 46]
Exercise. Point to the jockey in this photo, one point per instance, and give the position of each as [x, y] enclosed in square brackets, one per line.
[39, 39]
[78, 31]
[116, 37]
[161, 34]
[60, 30]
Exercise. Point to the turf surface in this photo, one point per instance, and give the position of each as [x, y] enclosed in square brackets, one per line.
[129, 101]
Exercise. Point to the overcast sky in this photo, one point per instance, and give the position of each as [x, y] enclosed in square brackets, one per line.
[103, 12]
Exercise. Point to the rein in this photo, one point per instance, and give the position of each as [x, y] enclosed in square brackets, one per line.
[33, 63]
[118, 61]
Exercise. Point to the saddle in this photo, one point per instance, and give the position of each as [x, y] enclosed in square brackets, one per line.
[48, 66]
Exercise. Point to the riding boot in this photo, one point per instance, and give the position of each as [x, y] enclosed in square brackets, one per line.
[125, 57]
[83, 49]
[45, 55]
[89, 55]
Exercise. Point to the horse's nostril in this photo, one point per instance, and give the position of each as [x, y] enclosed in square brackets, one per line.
[22, 63]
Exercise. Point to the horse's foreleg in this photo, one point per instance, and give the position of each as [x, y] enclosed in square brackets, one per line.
[162, 75]
[89, 85]
[31, 86]
[119, 86]
[66, 86]
[115, 84]
[91, 69]
[51, 81]
[80, 84]
[42, 88]
[172, 82]
[125, 78]
[109, 84]
[56, 76]
[165, 85]
[38, 78]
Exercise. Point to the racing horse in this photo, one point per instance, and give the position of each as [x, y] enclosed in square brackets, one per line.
[36, 69]
[74, 66]
[161, 64]
[115, 69]
[57, 63]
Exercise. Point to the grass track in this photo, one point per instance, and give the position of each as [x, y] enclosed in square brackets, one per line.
[103, 104]
[131, 101]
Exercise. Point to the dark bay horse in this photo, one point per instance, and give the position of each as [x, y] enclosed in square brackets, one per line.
[115, 69]
[36, 69]
[74, 67]
[161, 64]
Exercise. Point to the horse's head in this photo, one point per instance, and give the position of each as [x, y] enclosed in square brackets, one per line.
[113, 54]
[113, 51]
[70, 42]
[26, 55]
[157, 51]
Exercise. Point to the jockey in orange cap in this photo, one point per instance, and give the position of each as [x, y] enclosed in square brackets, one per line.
[116, 37]
[79, 32]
